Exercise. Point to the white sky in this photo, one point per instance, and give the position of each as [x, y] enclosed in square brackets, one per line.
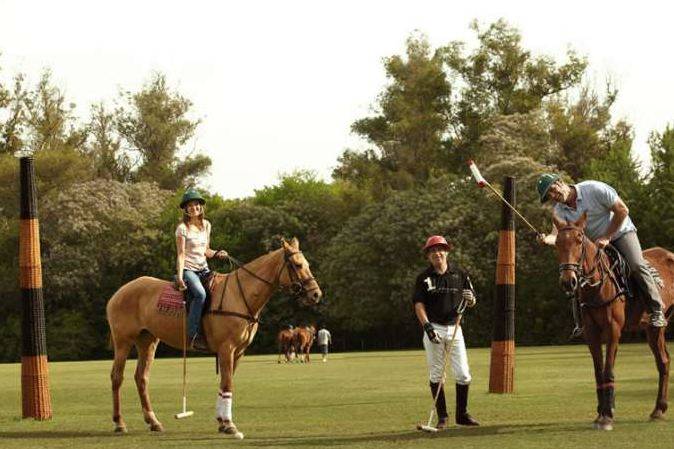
[278, 83]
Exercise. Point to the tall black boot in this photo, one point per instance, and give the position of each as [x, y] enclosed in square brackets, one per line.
[463, 418]
[440, 404]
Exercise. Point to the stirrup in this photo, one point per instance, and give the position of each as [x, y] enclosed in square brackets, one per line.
[657, 319]
[577, 332]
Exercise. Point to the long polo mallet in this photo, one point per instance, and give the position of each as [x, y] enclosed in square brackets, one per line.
[481, 182]
[446, 355]
[185, 413]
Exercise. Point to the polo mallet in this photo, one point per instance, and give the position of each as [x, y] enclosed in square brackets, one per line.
[481, 182]
[447, 354]
[185, 413]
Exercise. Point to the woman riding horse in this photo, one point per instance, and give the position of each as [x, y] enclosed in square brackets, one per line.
[229, 325]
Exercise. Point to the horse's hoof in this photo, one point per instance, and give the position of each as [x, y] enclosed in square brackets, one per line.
[120, 430]
[156, 427]
[603, 423]
[657, 415]
[231, 431]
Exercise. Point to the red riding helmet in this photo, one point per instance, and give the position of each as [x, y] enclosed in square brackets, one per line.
[437, 240]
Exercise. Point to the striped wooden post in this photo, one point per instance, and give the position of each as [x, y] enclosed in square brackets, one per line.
[36, 399]
[502, 368]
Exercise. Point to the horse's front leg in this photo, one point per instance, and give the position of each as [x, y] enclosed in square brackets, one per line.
[593, 338]
[608, 386]
[223, 405]
[657, 343]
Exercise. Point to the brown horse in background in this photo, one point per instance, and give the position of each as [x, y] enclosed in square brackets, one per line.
[286, 340]
[304, 338]
[229, 326]
[585, 272]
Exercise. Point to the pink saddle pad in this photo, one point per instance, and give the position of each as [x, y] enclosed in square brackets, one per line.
[171, 301]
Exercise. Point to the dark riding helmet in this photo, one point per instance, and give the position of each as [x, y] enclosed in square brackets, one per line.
[191, 194]
[545, 181]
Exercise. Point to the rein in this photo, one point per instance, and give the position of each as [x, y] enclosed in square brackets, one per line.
[586, 279]
[296, 286]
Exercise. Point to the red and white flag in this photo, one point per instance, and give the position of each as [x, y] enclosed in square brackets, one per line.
[476, 174]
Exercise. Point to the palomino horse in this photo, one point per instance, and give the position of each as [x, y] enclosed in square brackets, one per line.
[286, 340]
[585, 272]
[304, 338]
[229, 329]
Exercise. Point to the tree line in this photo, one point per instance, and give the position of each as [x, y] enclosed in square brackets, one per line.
[110, 185]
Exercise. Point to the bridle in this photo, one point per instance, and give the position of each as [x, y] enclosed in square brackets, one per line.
[585, 279]
[296, 287]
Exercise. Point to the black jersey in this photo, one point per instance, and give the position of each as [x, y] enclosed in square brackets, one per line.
[441, 293]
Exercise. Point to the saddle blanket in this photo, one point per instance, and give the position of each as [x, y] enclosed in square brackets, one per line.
[171, 301]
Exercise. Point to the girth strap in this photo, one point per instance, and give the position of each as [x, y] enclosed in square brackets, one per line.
[250, 318]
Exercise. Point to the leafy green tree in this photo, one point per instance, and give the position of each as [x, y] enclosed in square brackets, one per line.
[409, 130]
[500, 77]
[154, 123]
[98, 235]
[105, 147]
[582, 130]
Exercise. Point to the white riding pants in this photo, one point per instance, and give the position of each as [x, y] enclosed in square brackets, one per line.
[436, 354]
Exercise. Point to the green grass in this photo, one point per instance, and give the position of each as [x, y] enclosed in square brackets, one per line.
[359, 400]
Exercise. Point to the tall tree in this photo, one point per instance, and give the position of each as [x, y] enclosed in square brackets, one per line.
[105, 146]
[500, 77]
[408, 130]
[154, 123]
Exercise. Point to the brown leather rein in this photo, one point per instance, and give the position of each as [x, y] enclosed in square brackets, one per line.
[296, 287]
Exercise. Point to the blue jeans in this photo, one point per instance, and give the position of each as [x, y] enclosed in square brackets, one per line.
[198, 296]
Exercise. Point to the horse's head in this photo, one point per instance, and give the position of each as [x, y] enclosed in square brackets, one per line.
[297, 277]
[571, 251]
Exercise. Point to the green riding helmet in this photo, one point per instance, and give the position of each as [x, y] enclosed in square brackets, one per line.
[544, 182]
[191, 195]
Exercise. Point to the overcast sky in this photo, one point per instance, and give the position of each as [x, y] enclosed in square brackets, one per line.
[278, 83]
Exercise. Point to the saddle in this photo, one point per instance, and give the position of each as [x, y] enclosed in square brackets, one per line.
[621, 270]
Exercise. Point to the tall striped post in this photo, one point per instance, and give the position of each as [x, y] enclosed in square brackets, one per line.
[36, 399]
[502, 369]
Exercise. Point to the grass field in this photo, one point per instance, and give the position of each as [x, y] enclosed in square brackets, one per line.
[356, 400]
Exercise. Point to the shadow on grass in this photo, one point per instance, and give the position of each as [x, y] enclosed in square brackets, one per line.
[415, 435]
[55, 434]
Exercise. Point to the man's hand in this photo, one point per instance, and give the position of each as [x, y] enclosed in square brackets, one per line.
[469, 297]
[432, 335]
[602, 242]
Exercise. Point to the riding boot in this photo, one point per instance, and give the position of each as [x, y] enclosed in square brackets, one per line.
[463, 418]
[440, 404]
[651, 294]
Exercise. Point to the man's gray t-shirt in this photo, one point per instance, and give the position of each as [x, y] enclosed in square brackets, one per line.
[596, 198]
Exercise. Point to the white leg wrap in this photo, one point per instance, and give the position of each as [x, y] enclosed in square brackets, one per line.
[223, 406]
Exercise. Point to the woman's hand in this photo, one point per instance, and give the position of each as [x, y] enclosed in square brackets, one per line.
[221, 254]
[180, 285]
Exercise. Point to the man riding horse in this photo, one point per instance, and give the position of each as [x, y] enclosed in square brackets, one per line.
[608, 222]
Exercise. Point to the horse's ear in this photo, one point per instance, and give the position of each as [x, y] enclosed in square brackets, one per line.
[581, 221]
[276, 242]
[558, 222]
[295, 243]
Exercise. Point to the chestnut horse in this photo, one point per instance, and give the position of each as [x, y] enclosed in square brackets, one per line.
[585, 272]
[304, 338]
[229, 326]
[286, 340]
